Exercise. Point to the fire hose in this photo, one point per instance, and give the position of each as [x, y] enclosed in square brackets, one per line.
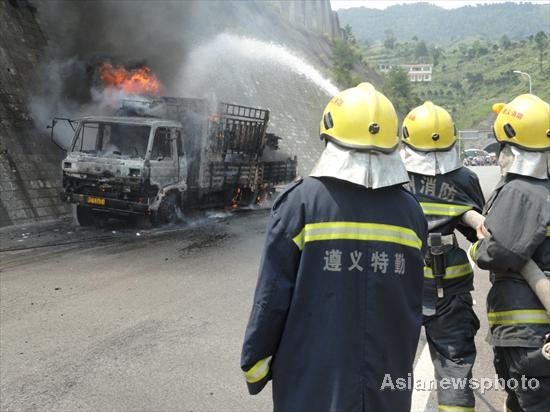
[533, 275]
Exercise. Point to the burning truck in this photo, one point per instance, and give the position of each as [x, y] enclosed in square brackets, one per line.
[156, 155]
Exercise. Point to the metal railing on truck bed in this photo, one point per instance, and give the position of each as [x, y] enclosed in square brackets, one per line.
[238, 130]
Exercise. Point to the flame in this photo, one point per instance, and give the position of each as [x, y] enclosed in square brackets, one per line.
[136, 81]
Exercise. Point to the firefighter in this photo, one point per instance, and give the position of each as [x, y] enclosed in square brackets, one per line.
[337, 310]
[516, 229]
[446, 191]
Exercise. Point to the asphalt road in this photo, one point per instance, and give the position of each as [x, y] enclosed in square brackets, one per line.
[146, 319]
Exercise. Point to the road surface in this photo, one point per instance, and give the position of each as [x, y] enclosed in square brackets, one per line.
[147, 319]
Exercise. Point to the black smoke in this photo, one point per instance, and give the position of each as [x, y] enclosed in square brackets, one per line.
[82, 34]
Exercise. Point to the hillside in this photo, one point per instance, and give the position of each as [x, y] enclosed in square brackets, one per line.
[470, 76]
[436, 25]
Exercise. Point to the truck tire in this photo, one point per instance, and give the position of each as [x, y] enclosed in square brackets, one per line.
[166, 213]
[84, 216]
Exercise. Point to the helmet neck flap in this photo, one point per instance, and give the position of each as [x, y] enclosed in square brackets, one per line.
[512, 159]
[371, 169]
[430, 163]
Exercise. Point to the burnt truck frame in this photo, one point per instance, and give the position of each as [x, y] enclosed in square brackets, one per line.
[159, 155]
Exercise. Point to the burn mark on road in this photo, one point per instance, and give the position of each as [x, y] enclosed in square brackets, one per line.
[203, 240]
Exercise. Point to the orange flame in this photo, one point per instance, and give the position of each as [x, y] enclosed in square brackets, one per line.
[136, 81]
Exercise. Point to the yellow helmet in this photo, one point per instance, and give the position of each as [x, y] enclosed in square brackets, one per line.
[429, 128]
[524, 122]
[361, 118]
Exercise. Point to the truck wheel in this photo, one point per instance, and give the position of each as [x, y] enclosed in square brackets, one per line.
[84, 216]
[166, 212]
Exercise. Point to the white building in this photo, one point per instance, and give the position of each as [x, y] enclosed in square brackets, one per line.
[418, 72]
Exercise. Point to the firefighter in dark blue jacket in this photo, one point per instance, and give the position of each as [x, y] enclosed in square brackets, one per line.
[446, 191]
[516, 230]
[338, 305]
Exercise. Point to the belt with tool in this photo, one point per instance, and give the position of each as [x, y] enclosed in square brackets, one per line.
[438, 245]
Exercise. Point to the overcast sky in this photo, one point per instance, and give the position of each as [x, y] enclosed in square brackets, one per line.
[448, 4]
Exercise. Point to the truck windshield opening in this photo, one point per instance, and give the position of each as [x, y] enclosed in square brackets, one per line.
[112, 139]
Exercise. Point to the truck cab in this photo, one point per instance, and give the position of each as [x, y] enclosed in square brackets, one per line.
[124, 166]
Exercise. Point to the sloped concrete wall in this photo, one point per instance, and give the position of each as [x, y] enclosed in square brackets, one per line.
[29, 163]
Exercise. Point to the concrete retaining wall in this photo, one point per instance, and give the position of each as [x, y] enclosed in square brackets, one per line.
[30, 177]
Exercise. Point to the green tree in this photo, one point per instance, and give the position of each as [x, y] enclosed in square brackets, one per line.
[344, 57]
[541, 39]
[421, 50]
[397, 88]
[478, 49]
[505, 42]
[437, 53]
[389, 42]
[489, 22]
[348, 35]
[474, 79]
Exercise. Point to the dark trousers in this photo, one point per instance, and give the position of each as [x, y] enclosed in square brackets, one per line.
[450, 333]
[524, 364]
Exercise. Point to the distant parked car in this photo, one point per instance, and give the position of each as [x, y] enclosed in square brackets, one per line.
[477, 157]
